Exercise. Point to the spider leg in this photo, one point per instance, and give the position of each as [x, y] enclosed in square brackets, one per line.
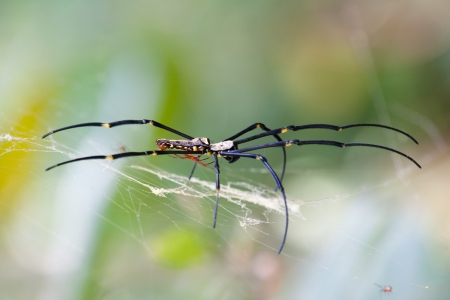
[217, 169]
[119, 123]
[275, 178]
[277, 131]
[192, 171]
[319, 126]
[378, 285]
[122, 155]
[321, 142]
[248, 129]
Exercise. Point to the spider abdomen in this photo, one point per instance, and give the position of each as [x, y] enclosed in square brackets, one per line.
[198, 144]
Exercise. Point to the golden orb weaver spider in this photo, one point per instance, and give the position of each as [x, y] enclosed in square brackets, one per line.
[192, 148]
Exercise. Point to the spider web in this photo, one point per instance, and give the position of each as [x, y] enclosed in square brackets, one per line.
[70, 204]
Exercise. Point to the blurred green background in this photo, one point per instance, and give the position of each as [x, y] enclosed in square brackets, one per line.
[211, 68]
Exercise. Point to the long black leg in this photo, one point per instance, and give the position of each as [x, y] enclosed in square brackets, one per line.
[248, 129]
[122, 155]
[318, 126]
[319, 142]
[192, 171]
[216, 206]
[119, 123]
[275, 178]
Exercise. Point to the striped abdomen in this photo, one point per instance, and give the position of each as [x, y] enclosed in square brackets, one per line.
[197, 144]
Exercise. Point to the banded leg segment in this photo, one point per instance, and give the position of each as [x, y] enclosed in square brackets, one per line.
[122, 155]
[275, 178]
[319, 142]
[120, 123]
[319, 126]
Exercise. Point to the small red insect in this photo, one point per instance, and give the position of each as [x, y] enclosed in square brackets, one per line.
[193, 158]
[120, 147]
[384, 289]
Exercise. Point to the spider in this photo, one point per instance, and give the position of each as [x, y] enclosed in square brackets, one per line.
[192, 148]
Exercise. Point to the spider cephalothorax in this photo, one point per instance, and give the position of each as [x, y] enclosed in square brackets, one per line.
[193, 148]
